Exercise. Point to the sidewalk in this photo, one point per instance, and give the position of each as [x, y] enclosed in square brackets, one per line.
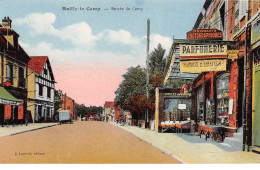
[10, 130]
[189, 152]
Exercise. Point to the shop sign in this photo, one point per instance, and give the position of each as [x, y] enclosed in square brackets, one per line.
[202, 34]
[181, 106]
[4, 101]
[232, 54]
[203, 50]
[198, 66]
[255, 33]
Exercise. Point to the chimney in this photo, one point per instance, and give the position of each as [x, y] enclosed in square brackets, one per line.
[7, 22]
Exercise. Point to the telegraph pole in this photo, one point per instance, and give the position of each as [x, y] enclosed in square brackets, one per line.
[147, 68]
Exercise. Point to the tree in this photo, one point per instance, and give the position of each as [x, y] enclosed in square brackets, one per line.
[57, 100]
[83, 110]
[156, 61]
[157, 64]
[133, 84]
[130, 90]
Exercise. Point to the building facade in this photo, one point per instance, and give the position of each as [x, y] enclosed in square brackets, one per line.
[69, 104]
[14, 61]
[41, 84]
[228, 97]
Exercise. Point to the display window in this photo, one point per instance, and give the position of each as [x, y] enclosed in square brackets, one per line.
[200, 104]
[222, 85]
[177, 109]
[210, 106]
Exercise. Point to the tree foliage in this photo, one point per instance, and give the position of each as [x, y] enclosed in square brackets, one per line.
[83, 110]
[131, 93]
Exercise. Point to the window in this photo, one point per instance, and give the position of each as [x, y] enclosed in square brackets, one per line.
[48, 92]
[40, 89]
[21, 77]
[222, 84]
[236, 28]
[45, 71]
[9, 72]
[200, 104]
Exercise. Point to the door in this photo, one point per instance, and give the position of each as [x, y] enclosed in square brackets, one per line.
[256, 101]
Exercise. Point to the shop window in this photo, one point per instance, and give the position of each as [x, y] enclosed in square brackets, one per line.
[236, 28]
[177, 109]
[40, 111]
[222, 84]
[200, 104]
[210, 106]
[21, 77]
[40, 89]
[9, 72]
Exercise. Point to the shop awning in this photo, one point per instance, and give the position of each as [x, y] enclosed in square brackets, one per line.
[7, 98]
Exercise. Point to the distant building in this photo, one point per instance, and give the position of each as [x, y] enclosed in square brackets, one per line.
[69, 104]
[111, 111]
[41, 84]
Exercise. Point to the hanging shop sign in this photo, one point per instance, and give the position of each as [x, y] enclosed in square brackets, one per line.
[198, 66]
[203, 51]
[232, 54]
[255, 31]
[202, 34]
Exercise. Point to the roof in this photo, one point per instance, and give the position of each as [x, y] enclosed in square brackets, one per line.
[109, 104]
[91, 113]
[37, 63]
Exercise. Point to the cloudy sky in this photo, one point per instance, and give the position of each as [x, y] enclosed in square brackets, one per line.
[89, 50]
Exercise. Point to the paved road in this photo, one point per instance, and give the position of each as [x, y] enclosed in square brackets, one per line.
[81, 142]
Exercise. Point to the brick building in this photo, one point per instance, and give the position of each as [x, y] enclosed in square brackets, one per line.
[69, 104]
[225, 96]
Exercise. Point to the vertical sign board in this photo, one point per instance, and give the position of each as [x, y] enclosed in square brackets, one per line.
[8, 111]
[20, 112]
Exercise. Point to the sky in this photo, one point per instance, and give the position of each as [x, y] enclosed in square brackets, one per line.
[91, 48]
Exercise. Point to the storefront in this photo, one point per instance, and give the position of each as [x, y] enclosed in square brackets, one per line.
[255, 41]
[172, 107]
[11, 108]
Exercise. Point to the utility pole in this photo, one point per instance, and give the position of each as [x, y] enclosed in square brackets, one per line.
[147, 68]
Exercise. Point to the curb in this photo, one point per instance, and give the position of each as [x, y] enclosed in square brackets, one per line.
[164, 151]
[12, 134]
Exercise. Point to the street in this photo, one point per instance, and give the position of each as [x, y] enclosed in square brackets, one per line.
[81, 142]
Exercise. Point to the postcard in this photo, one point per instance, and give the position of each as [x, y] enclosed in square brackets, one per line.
[129, 82]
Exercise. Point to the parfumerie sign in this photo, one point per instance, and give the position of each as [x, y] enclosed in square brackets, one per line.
[202, 34]
[198, 66]
[203, 50]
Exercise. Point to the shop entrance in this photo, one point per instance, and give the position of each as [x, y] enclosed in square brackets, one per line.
[1, 113]
[240, 91]
[256, 99]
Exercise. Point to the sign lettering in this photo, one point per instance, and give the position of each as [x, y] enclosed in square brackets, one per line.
[203, 50]
[198, 66]
[201, 34]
